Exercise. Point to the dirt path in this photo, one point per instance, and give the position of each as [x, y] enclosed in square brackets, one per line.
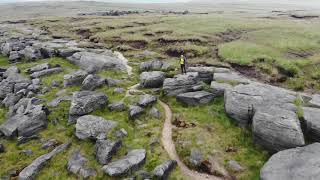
[171, 150]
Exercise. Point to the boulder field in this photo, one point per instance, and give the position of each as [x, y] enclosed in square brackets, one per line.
[271, 112]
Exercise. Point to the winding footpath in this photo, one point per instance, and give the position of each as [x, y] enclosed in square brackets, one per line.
[171, 150]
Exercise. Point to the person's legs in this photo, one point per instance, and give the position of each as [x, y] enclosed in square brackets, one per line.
[184, 69]
[181, 66]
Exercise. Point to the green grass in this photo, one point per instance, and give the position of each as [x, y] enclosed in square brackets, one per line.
[213, 134]
[140, 132]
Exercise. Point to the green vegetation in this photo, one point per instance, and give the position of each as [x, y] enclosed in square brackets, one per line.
[215, 135]
[142, 133]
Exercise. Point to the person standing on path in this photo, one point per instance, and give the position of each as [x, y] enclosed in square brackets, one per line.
[183, 64]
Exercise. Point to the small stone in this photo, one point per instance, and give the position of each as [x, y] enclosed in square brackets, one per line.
[117, 106]
[235, 166]
[23, 139]
[162, 171]
[121, 133]
[147, 99]
[154, 112]
[119, 91]
[49, 144]
[27, 152]
[195, 158]
[135, 111]
[105, 149]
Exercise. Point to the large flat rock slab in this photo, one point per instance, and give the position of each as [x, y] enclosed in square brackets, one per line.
[94, 62]
[182, 83]
[243, 100]
[152, 79]
[293, 164]
[195, 98]
[126, 165]
[85, 102]
[277, 129]
[93, 127]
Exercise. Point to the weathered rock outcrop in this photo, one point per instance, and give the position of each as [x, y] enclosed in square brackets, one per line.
[277, 129]
[293, 164]
[243, 100]
[126, 165]
[85, 102]
[117, 106]
[75, 78]
[34, 168]
[195, 98]
[155, 65]
[315, 101]
[182, 83]
[152, 79]
[135, 111]
[77, 166]
[25, 119]
[218, 89]
[93, 62]
[93, 127]
[311, 123]
[92, 82]
[146, 100]
[105, 149]
[46, 72]
[162, 171]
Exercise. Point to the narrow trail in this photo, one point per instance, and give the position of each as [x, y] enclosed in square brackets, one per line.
[171, 150]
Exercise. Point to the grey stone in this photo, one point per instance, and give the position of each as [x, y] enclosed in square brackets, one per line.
[46, 72]
[49, 144]
[205, 74]
[154, 112]
[293, 164]
[181, 83]
[155, 65]
[218, 89]
[195, 98]
[105, 149]
[36, 81]
[152, 79]
[121, 133]
[311, 123]
[93, 127]
[77, 165]
[15, 56]
[119, 91]
[277, 129]
[34, 168]
[6, 87]
[55, 84]
[162, 171]
[75, 78]
[92, 82]
[32, 54]
[39, 67]
[243, 101]
[57, 101]
[27, 152]
[135, 111]
[126, 165]
[25, 139]
[11, 99]
[235, 166]
[315, 101]
[93, 62]
[25, 119]
[146, 100]
[231, 77]
[117, 106]
[11, 71]
[195, 157]
[113, 82]
[85, 102]
[68, 52]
